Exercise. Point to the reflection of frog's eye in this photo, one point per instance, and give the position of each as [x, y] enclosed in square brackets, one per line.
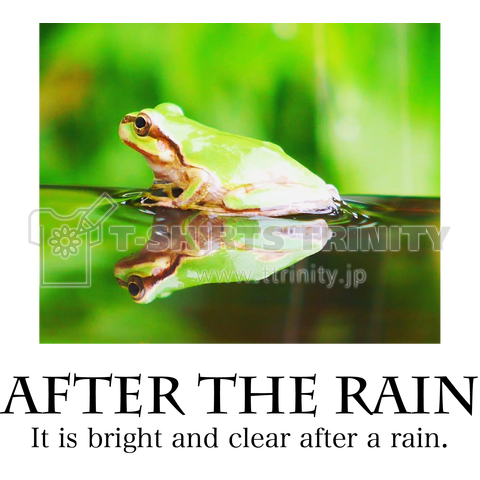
[142, 125]
[135, 287]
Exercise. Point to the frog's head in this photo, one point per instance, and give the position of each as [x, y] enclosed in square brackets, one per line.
[143, 274]
[146, 132]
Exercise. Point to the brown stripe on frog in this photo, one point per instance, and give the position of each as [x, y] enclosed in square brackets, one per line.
[157, 134]
[128, 119]
[153, 280]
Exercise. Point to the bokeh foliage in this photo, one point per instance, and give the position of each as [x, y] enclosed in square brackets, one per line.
[359, 104]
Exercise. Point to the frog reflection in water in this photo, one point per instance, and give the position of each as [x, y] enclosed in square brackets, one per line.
[222, 172]
[189, 249]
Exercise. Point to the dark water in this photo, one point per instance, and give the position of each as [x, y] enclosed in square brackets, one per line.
[361, 296]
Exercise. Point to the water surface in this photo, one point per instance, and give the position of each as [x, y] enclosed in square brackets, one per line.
[398, 302]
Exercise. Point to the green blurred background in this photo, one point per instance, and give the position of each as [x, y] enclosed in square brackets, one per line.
[359, 104]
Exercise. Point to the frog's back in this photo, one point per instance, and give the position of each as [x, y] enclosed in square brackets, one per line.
[236, 160]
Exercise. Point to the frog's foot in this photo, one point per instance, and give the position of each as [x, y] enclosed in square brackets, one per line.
[163, 187]
[163, 202]
[153, 200]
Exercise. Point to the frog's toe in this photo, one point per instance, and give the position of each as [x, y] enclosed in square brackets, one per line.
[164, 202]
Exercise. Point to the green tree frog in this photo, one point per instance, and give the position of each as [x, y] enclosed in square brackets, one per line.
[221, 172]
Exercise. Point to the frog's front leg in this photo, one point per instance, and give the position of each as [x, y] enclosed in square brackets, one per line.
[197, 189]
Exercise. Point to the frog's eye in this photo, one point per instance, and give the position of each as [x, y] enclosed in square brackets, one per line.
[142, 125]
[136, 288]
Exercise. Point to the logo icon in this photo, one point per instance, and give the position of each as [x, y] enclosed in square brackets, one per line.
[67, 240]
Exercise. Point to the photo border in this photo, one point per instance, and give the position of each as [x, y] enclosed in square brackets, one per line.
[37, 223]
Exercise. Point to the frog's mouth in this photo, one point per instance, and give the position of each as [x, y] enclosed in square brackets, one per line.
[153, 160]
[127, 129]
[133, 145]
